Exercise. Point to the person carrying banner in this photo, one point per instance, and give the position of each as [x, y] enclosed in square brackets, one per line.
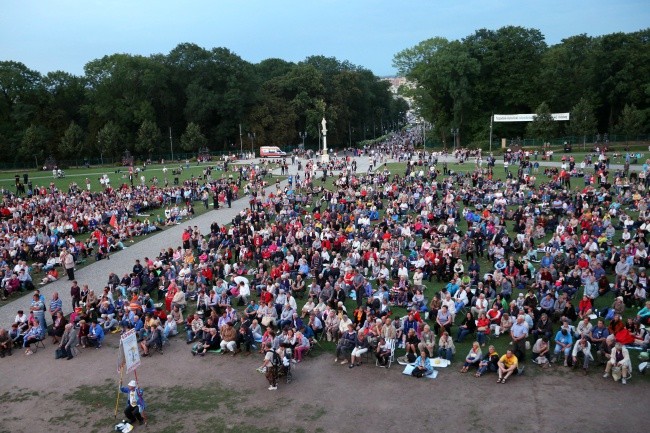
[135, 404]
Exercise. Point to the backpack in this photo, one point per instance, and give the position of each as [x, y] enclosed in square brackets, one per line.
[276, 361]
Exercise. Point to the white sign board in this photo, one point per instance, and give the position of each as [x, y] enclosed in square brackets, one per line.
[527, 117]
[129, 343]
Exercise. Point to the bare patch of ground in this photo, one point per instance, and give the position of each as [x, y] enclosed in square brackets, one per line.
[225, 394]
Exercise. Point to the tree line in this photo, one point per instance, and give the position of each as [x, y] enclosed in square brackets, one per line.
[603, 81]
[203, 98]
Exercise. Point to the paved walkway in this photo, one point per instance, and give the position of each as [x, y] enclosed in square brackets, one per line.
[96, 274]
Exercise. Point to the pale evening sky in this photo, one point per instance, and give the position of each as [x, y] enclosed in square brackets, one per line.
[50, 35]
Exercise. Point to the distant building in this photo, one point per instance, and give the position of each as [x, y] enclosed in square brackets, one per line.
[395, 84]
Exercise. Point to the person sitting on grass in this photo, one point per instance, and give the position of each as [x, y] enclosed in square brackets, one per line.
[582, 348]
[332, 323]
[443, 320]
[482, 328]
[467, 327]
[228, 339]
[643, 316]
[411, 345]
[210, 343]
[6, 343]
[154, 340]
[620, 358]
[473, 358]
[95, 335]
[427, 341]
[540, 352]
[446, 348]
[489, 363]
[422, 365]
[504, 326]
[563, 343]
[507, 364]
[52, 275]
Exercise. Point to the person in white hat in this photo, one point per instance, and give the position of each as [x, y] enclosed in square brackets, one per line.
[135, 404]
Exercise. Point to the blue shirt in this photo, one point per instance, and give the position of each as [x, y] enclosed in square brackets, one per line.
[519, 331]
[56, 305]
[427, 364]
[564, 339]
[599, 333]
[97, 332]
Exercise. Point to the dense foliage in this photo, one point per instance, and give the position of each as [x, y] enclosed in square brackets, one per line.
[604, 81]
[199, 96]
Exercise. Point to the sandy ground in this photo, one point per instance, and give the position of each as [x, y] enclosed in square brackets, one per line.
[182, 390]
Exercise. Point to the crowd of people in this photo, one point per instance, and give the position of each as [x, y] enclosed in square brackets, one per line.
[465, 253]
[42, 229]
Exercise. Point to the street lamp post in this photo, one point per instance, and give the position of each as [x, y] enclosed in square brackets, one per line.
[303, 135]
[241, 143]
[251, 135]
[101, 150]
[171, 143]
[454, 132]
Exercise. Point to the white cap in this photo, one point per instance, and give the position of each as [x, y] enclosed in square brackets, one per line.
[133, 383]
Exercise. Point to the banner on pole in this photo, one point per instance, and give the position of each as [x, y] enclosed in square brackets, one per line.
[129, 343]
[528, 117]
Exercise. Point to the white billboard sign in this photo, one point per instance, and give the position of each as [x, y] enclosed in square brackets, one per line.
[129, 343]
[527, 117]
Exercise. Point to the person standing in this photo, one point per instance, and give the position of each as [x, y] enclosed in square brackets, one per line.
[271, 366]
[56, 305]
[135, 405]
[519, 333]
[38, 308]
[67, 259]
[75, 294]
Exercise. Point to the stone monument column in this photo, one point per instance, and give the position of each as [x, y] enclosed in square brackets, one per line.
[325, 158]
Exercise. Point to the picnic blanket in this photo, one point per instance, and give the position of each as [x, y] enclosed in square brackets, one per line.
[409, 369]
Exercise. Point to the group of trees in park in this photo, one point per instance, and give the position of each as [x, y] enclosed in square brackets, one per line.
[202, 98]
[602, 81]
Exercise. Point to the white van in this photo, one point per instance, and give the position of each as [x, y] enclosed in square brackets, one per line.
[271, 152]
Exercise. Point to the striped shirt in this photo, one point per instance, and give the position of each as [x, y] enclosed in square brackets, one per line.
[56, 305]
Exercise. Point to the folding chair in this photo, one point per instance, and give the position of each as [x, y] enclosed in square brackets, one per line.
[391, 357]
[37, 344]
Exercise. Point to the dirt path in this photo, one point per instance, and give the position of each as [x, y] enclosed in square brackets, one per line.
[222, 393]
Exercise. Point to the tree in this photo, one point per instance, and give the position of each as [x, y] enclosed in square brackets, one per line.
[148, 138]
[444, 72]
[110, 139]
[20, 99]
[568, 72]
[543, 125]
[630, 122]
[192, 139]
[72, 141]
[32, 146]
[583, 121]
